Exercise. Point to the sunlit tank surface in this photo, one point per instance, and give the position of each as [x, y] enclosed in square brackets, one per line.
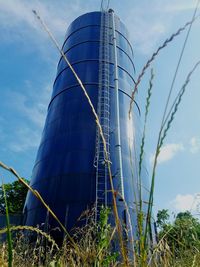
[64, 172]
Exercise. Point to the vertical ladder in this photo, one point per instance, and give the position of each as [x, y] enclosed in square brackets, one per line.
[103, 111]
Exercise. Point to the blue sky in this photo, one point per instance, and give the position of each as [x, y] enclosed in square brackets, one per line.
[28, 63]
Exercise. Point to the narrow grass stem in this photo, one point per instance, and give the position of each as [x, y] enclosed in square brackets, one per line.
[150, 204]
[37, 194]
[111, 237]
[158, 245]
[132, 174]
[161, 137]
[9, 238]
[130, 226]
[33, 229]
[154, 55]
[149, 93]
[179, 62]
[179, 95]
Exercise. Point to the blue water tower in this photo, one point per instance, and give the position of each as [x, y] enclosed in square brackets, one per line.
[71, 172]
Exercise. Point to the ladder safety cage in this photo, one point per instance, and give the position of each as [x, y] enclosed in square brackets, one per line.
[103, 111]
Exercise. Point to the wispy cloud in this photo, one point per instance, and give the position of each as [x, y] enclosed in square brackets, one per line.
[185, 202]
[168, 152]
[24, 140]
[144, 34]
[18, 22]
[194, 145]
[29, 110]
[146, 28]
[149, 24]
[17, 14]
[32, 105]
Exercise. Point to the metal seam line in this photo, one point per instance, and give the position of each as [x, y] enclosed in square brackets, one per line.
[117, 123]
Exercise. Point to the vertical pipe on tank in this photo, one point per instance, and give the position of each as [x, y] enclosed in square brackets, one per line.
[117, 121]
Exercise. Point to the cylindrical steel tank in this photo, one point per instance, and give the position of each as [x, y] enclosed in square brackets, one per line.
[64, 172]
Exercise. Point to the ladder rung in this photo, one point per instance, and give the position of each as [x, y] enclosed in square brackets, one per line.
[103, 110]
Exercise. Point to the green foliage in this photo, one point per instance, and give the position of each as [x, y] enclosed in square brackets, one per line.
[182, 235]
[104, 255]
[15, 194]
[103, 229]
[162, 217]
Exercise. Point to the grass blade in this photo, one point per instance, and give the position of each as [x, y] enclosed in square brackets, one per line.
[174, 108]
[154, 55]
[149, 93]
[179, 62]
[9, 238]
[161, 138]
[38, 196]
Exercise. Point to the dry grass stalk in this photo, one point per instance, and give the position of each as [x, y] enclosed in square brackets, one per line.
[32, 229]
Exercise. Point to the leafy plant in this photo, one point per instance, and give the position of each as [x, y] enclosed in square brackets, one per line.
[15, 194]
[105, 256]
[184, 234]
[162, 218]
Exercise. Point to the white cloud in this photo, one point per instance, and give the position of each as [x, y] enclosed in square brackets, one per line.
[24, 140]
[150, 24]
[146, 28]
[18, 14]
[15, 13]
[194, 145]
[167, 152]
[18, 22]
[29, 108]
[32, 105]
[144, 34]
[185, 202]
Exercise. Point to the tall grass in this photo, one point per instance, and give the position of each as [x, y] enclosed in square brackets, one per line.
[165, 120]
[92, 245]
[156, 53]
[9, 239]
